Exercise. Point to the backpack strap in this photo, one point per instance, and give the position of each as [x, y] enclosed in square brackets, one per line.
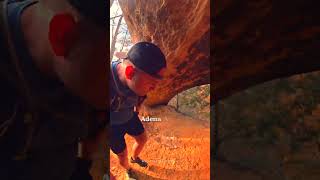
[119, 96]
[115, 82]
[23, 88]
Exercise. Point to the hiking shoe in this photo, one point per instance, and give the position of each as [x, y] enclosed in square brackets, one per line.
[131, 175]
[139, 161]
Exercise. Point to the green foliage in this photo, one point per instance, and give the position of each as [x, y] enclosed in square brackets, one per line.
[274, 110]
[194, 102]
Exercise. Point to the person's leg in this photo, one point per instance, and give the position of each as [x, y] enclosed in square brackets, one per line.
[139, 144]
[118, 145]
[136, 130]
[123, 159]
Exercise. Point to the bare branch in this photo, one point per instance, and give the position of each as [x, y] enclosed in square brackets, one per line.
[115, 16]
[114, 39]
[124, 40]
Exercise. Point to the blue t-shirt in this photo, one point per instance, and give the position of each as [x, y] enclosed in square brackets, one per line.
[122, 110]
[61, 109]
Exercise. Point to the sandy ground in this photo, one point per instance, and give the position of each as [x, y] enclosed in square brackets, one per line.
[178, 148]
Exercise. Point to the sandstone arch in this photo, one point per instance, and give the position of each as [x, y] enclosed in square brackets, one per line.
[182, 30]
[257, 41]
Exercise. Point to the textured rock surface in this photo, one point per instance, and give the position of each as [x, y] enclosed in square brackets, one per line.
[261, 40]
[181, 29]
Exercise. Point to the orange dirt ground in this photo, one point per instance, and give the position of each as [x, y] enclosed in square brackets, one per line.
[178, 148]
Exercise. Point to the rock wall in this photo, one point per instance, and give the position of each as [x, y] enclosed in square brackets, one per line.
[256, 41]
[182, 30]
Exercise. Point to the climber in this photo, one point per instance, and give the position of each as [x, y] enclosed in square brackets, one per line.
[132, 77]
[53, 86]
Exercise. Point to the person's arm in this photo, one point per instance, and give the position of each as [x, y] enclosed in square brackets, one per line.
[139, 104]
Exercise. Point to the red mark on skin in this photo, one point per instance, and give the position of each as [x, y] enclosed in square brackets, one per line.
[129, 72]
[62, 33]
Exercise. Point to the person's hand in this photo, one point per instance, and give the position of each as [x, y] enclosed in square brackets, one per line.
[136, 109]
[145, 111]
